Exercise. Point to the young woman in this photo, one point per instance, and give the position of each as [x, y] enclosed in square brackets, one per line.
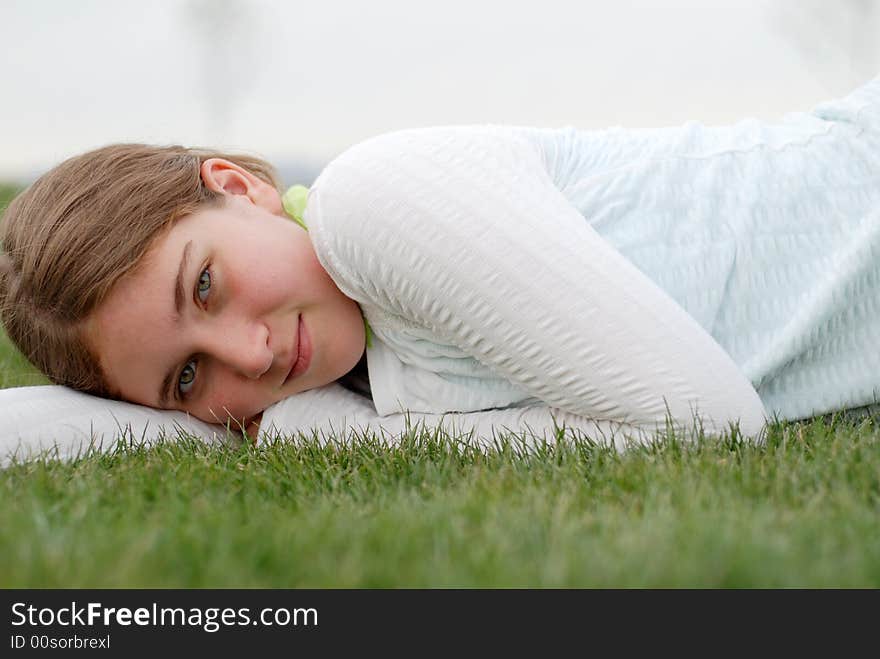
[625, 275]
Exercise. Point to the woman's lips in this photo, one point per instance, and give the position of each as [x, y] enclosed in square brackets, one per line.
[304, 353]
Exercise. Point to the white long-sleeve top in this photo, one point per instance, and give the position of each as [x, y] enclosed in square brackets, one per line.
[616, 274]
[485, 288]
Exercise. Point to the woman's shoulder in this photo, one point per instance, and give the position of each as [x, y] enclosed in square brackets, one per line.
[406, 161]
[415, 193]
[443, 140]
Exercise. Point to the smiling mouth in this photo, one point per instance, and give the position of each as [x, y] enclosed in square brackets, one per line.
[303, 353]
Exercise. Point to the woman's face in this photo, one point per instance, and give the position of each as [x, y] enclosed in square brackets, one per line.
[222, 315]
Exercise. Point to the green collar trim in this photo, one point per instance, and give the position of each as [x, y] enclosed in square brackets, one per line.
[294, 203]
[369, 333]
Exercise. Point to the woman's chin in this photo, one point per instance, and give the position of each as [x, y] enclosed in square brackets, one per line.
[252, 427]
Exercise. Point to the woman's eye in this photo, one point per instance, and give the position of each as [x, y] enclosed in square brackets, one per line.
[187, 378]
[204, 285]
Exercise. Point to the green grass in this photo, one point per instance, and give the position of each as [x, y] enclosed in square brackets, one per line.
[15, 371]
[801, 510]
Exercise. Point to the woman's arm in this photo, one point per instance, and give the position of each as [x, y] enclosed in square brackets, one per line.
[461, 231]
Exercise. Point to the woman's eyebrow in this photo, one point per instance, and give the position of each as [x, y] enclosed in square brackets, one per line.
[179, 297]
[179, 294]
[163, 389]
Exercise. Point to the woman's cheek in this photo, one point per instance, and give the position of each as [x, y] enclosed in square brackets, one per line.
[315, 274]
[222, 409]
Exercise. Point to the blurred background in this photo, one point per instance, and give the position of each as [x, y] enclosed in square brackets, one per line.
[297, 82]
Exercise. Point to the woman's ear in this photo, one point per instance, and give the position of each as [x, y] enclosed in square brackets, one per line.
[225, 177]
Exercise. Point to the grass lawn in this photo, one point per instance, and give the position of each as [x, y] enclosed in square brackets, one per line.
[801, 510]
[15, 371]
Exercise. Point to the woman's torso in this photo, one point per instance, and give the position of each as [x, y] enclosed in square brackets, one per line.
[767, 234]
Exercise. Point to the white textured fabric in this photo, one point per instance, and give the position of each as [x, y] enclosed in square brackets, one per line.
[766, 232]
[59, 423]
[486, 288]
[62, 423]
[335, 411]
[491, 262]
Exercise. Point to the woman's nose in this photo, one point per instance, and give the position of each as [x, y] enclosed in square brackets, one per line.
[244, 349]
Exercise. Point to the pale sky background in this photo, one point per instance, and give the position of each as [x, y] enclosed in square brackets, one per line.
[298, 81]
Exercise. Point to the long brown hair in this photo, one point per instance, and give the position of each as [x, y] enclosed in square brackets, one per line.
[70, 236]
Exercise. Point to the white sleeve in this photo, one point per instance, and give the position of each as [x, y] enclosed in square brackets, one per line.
[461, 231]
